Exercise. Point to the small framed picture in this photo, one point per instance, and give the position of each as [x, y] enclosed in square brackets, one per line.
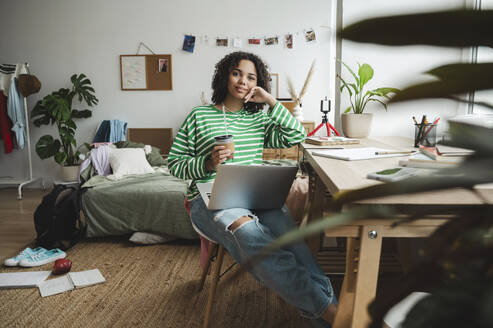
[162, 65]
[254, 41]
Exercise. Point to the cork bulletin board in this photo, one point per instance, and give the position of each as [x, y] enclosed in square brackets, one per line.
[146, 72]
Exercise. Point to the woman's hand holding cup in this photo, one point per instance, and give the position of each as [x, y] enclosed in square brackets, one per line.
[218, 156]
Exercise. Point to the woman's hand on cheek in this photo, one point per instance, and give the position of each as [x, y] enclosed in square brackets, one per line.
[259, 95]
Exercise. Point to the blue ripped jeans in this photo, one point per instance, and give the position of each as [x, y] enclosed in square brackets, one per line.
[292, 272]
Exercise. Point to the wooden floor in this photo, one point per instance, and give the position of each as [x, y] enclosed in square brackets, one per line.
[16, 219]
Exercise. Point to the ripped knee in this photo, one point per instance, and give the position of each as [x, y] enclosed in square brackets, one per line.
[239, 222]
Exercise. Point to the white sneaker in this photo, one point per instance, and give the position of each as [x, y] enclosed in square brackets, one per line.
[14, 261]
[43, 257]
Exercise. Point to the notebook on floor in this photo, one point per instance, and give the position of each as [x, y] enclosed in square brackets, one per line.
[248, 186]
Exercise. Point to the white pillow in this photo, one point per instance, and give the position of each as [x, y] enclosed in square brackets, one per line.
[125, 161]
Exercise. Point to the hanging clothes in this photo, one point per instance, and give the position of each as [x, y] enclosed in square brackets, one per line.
[5, 125]
[15, 110]
[111, 131]
[7, 72]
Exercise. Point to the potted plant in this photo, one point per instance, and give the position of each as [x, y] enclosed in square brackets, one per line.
[357, 124]
[56, 108]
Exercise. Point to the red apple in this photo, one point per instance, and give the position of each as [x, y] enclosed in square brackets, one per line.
[62, 266]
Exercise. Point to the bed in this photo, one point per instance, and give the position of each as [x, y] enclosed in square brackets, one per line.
[149, 202]
[153, 202]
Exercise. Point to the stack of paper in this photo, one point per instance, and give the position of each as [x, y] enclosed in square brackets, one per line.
[421, 160]
[22, 279]
[70, 281]
[453, 151]
[328, 141]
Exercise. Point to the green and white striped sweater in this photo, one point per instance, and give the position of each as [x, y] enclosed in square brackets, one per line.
[251, 133]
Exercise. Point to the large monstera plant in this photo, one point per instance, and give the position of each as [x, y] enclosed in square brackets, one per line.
[458, 264]
[56, 108]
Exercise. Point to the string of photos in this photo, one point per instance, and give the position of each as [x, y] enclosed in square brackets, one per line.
[287, 39]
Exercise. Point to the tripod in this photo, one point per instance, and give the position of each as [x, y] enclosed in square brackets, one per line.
[329, 126]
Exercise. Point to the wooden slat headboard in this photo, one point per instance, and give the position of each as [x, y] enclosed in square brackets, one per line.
[157, 137]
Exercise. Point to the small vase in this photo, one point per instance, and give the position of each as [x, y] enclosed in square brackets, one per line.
[356, 125]
[298, 113]
[70, 173]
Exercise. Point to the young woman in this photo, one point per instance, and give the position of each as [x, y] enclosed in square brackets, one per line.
[241, 87]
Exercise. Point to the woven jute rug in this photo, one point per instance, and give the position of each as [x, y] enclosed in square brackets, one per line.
[146, 286]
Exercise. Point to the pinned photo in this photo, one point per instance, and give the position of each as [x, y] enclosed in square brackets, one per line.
[189, 43]
[222, 42]
[253, 41]
[288, 40]
[310, 36]
[163, 65]
[271, 41]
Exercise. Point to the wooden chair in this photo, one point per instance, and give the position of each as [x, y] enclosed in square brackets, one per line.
[215, 253]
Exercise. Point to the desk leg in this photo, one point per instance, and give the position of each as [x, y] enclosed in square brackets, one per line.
[367, 276]
[346, 298]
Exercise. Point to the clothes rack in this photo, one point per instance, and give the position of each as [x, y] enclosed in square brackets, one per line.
[29, 179]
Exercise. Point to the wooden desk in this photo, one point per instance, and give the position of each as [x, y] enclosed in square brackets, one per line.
[364, 238]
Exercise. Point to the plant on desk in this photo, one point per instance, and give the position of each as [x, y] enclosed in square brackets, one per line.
[57, 108]
[357, 124]
[458, 265]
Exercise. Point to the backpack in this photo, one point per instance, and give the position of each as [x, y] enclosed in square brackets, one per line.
[57, 219]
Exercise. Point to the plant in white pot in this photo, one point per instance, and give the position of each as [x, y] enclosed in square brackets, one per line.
[57, 108]
[358, 124]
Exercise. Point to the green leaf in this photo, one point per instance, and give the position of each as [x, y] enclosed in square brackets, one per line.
[383, 92]
[347, 110]
[365, 73]
[60, 158]
[350, 71]
[441, 89]
[47, 146]
[453, 28]
[81, 113]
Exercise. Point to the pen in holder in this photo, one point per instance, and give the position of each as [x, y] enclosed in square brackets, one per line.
[425, 135]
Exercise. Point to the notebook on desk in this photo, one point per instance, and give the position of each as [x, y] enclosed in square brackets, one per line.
[356, 154]
[248, 186]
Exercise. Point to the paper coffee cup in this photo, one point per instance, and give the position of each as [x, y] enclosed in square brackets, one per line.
[226, 141]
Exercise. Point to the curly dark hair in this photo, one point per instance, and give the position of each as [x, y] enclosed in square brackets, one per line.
[230, 62]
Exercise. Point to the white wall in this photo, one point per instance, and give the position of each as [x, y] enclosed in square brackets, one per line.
[398, 66]
[59, 38]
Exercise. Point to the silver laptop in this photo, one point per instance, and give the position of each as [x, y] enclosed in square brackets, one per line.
[248, 186]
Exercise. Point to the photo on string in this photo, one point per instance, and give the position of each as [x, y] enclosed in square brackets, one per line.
[288, 41]
[189, 43]
[271, 41]
[221, 42]
[310, 35]
[254, 41]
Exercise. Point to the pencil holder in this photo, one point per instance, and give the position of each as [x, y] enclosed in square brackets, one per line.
[425, 135]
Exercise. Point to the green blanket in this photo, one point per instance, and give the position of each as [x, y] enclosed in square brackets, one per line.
[150, 202]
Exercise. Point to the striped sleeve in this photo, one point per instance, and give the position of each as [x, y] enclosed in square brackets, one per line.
[183, 161]
[282, 129]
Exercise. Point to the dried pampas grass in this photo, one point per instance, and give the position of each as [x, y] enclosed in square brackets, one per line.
[292, 92]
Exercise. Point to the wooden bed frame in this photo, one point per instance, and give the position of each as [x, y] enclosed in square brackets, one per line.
[157, 137]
